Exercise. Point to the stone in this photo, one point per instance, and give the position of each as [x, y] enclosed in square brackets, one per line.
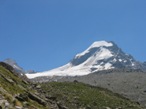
[37, 99]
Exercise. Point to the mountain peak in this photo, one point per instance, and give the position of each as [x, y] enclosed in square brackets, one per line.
[101, 55]
[101, 43]
[94, 45]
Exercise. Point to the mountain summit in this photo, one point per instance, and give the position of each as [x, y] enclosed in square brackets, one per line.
[101, 55]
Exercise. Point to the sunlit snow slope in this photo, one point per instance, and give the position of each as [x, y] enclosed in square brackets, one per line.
[101, 55]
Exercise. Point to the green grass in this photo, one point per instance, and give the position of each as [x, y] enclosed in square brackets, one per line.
[9, 89]
[12, 88]
[78, 95]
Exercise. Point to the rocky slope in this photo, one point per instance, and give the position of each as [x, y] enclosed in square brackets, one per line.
[17, 92]
[127, 82]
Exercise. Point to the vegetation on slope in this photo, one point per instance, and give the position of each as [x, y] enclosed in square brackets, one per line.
[16, 92]
[81, 96]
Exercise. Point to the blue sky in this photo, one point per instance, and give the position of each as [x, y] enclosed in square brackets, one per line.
[44, 34]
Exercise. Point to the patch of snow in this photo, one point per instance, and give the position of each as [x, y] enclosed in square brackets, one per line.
[100, 55]
[108, 66]
[79, 70]
[95, 44]
[120, 60]
[15, 66]
[104, 54]
[133, 64]
[100, 44]
[22, 74]
[74, 71]
[114, 60]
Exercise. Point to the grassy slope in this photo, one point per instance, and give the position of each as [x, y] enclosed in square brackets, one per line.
[131, 84]
[11, 86]
[65, 94]
[78, 95]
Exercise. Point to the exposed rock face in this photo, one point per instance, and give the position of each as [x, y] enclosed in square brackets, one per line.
[12, 70]
[7, 66]
[144, 66]
[37, 98]
[15, 66]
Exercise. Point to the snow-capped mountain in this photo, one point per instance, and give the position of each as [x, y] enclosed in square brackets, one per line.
[101, 55]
